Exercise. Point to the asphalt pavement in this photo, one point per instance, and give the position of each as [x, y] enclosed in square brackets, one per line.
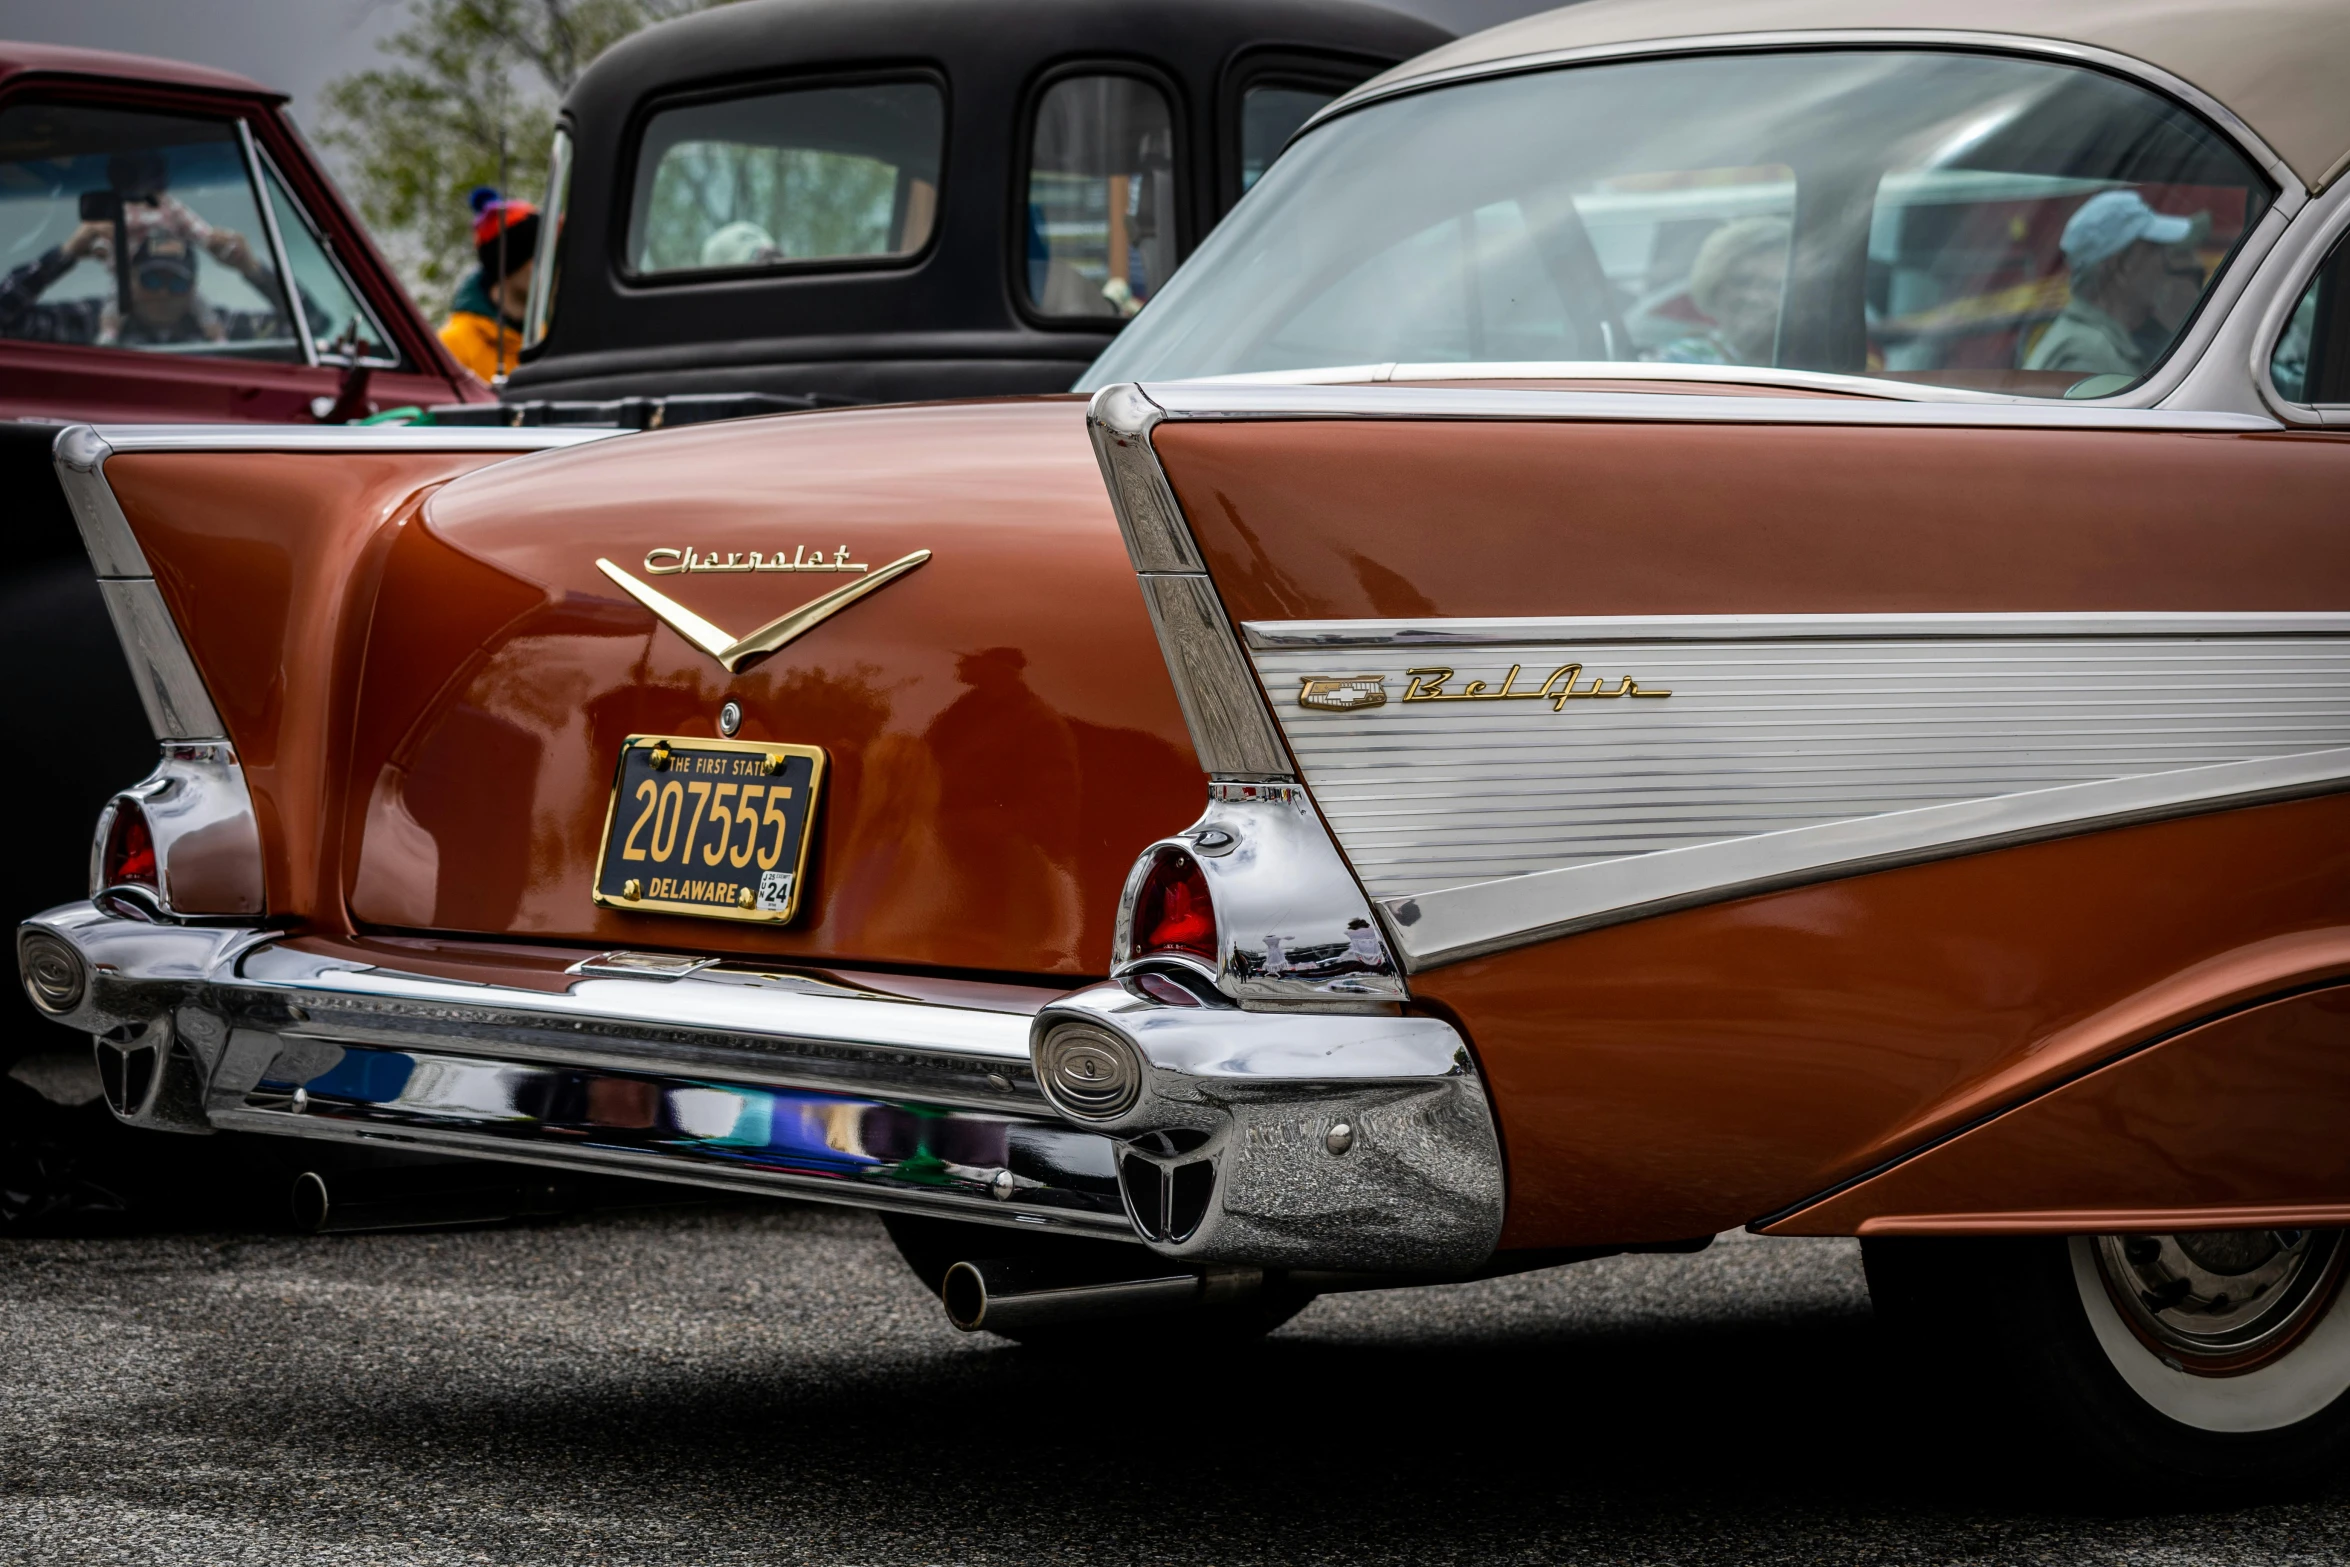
[768, 1384]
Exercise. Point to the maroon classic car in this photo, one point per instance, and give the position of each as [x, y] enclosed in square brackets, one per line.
[152, 215]
[154, 220]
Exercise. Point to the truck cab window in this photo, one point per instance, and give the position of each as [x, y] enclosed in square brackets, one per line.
[1101, 197]
[810, 175]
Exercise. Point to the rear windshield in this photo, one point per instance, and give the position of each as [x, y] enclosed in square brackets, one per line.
[812, 174]
[1962, 219]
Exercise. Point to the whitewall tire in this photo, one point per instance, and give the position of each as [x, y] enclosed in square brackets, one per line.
[2185, 1367]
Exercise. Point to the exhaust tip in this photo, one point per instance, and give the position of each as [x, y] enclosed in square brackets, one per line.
[54, 975]
[964, 1294]
[311, 1202]
[1016, 1298]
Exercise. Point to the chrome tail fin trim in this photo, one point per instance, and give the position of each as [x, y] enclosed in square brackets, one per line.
[170, 686]
[1231, 728]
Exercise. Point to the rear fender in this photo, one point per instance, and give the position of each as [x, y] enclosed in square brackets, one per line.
[238, 566]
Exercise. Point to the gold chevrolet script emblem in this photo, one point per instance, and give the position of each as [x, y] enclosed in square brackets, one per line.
[734, 652]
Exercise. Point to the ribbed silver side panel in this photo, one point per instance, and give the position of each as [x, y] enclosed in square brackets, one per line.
[1770, 734]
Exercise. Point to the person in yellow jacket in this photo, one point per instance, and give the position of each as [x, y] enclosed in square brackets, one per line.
[484, 329]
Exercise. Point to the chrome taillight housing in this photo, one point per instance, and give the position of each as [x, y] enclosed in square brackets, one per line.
[1174, 910]
[1254, 900]
[183, 841]
[126, 853]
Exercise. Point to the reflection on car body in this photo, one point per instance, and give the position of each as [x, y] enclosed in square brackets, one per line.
[1573, 781]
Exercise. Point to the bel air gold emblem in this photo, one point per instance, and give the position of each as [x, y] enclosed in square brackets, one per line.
[734, 652]
[1352, 693]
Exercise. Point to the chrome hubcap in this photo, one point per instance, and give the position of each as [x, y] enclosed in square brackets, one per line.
[2218, 1300]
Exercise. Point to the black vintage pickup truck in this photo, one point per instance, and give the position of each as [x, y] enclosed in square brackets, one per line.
[856, 201]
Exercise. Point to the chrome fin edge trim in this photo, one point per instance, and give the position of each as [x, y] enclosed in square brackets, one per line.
[1214, 686]
[1232, 732]
[171, 689]
[517, 441]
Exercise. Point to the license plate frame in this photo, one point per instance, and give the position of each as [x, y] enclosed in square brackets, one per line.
[688, 775]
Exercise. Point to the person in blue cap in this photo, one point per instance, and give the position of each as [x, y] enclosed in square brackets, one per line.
[2134, 282]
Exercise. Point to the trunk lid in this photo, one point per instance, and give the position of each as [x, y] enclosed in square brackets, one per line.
[1000, 732]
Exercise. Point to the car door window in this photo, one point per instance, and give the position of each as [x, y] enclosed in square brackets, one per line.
[126, 229]
[340, 324]
[2312, 359]
[1270, 114]
[1101, 197]
[815, 174]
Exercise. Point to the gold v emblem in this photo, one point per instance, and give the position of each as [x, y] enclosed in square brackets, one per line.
[733, 653]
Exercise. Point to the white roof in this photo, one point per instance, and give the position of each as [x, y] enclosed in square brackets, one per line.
[2281, 66]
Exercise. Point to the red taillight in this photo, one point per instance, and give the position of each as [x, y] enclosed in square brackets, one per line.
[1173, 912]
[130, 850]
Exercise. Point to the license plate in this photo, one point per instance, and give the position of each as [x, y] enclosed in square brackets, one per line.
[717, 828]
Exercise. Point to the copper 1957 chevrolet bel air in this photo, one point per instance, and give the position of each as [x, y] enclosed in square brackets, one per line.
[1759, 599]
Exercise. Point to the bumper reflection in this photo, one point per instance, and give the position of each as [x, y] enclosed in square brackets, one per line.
[798, 1131]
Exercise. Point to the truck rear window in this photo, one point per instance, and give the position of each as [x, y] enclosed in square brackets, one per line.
[811, 174]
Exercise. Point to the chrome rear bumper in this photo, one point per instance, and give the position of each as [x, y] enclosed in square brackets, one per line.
[1255, 1139]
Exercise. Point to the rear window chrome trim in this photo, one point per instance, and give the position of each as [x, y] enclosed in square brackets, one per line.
[1227, 401]
[1397, 372]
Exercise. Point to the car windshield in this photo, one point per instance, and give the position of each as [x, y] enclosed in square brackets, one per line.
[1969, 220]
[126, 229]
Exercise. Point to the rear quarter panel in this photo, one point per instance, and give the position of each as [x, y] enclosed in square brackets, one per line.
[1689, 1071]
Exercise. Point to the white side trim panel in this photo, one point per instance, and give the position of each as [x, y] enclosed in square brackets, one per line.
[1790, 748]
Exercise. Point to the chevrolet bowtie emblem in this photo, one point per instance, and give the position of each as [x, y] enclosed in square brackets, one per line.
[733, 653]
